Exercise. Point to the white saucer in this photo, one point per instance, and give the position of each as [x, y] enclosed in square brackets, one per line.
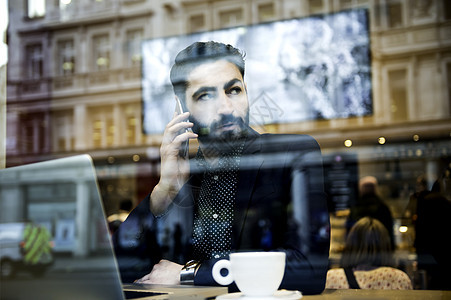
[281, 294]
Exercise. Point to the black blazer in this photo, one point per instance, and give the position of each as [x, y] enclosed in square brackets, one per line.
[280, 206]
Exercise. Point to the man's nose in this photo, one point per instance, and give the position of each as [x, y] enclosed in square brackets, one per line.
[225, 106]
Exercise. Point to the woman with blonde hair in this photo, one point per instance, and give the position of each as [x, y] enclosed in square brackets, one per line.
[367, 260]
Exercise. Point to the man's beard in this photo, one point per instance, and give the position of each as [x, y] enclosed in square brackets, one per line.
[221, 142]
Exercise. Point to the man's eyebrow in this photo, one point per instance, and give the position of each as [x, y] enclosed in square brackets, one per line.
[231, 83]
[202, 90]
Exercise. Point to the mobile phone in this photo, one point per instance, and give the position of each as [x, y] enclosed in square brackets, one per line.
[184, 149]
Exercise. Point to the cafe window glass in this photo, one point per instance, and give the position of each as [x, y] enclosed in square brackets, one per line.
[398, 95]
[66, 57]
[346, 3]
[378, 13]
[395, 15]
[131, 130]
[34, 63]
[35, 8]
[101, 52]
[196, 23]
[32, 133]
[134, 38]
[63, 132]
[103, 128]
[230, 18]
[132, 124]
[447, 9]
[316, 6]
[27, 137]
[98, 129]
[266, 12]
[111, 129]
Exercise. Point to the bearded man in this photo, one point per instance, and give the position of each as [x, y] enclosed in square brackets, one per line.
[243, 191]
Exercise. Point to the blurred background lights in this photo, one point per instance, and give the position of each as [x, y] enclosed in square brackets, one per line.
[381, 140]
[403, 229]
[416, 137]
[348, 143]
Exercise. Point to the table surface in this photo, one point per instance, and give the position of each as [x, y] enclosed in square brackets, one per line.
[381, 295]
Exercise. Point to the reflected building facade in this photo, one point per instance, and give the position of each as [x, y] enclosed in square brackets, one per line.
[74, 86]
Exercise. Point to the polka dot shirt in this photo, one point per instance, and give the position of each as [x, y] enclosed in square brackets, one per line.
[382, 278]
[213, 218]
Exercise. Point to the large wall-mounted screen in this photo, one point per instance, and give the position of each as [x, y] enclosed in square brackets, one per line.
[311, 68]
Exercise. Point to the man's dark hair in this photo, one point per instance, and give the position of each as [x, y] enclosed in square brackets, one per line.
[197, 54]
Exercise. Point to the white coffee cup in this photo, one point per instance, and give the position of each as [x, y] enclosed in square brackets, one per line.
[257, 274]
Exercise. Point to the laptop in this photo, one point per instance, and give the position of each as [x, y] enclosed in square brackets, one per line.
[55, 242]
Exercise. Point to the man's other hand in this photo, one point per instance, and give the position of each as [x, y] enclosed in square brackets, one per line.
[165, 272]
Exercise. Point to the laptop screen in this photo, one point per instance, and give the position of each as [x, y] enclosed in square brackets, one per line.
[53, 235]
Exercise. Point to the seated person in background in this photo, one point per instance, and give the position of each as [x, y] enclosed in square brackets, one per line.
[370, 204]
[366, 261]
[243, 191]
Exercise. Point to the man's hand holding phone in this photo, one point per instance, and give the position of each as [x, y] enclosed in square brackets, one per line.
[174, 165]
